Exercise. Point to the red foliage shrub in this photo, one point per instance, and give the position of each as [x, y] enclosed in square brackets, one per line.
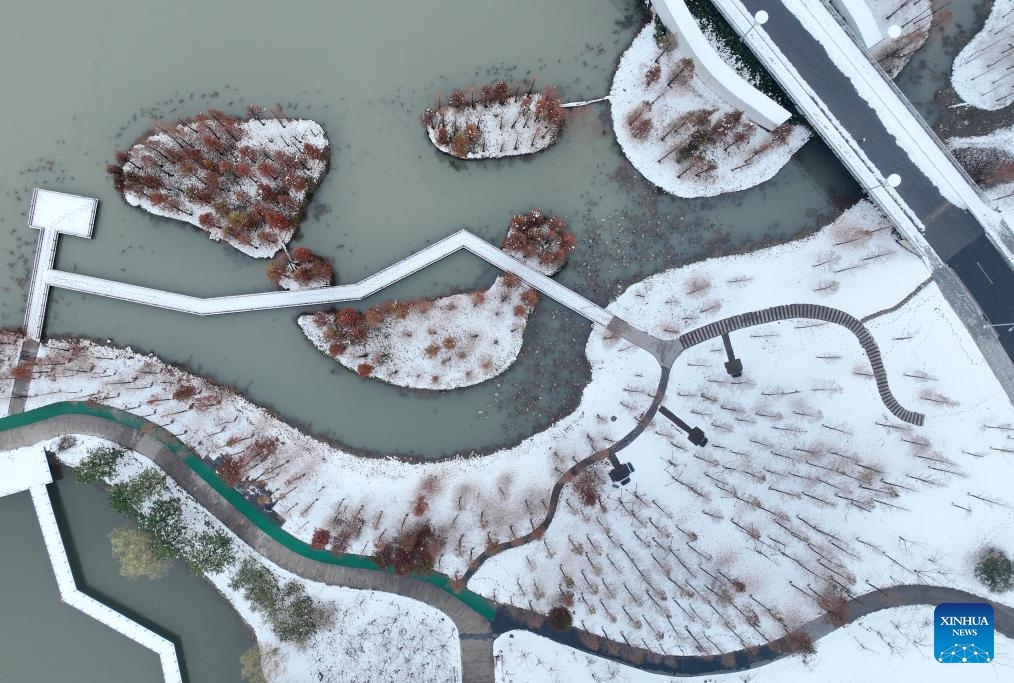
[511, 280]
[364, 369]
[588, 486]
[534, 235]
[321, 537]
[413, 550]
[185, 391]
[520, 311]
[530, 297]
[420, 507]
[230, 469]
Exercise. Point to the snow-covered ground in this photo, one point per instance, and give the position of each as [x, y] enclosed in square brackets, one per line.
[891, 645]
[447, 343]
[359, 645]
[523, 124]
[257, 176]
[980, 74]
[913, 17]
[10, 348]
[805, 420]
[682, 137]
[807, 481]
[991, 158]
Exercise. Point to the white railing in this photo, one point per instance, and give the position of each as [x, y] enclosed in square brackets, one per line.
[70, 594]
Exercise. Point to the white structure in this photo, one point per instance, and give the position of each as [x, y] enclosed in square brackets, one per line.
[65, 213]
[714, 72]
[26, 469]
[20, 471]
[52, 213]
[860, 17]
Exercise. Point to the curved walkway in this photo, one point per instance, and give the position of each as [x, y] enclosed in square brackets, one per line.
[509, 618]
[165, 451]
[567, 477]
[814, 312]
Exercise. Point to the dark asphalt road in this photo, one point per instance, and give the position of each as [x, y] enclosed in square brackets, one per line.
[953, 233]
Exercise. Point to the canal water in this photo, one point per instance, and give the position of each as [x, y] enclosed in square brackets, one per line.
[48, 641]
[365, 70]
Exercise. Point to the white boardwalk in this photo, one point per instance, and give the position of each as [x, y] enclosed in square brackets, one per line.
[38, 288]
[45, 276]
[462, 239]
[70, 594]
[26, 469]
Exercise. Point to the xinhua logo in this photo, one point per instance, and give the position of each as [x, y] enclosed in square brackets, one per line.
[963, 633]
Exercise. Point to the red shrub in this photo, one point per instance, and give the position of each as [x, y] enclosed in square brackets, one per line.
[364, 369]
[321, 537]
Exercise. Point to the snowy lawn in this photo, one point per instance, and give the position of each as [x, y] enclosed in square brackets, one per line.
[806, 410]
[980, 74]
[682, 137]
[808, 487]
[495, 122]
[373, 634]
[245, 181]
[891, 645]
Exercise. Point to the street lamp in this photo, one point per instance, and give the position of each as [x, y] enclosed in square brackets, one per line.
[893, 31]
[892, 181]
[759, 19]
[1009, 326]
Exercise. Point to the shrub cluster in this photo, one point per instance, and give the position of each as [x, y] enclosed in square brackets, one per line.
[414, 550]
[292, 613]
[211, 165]
[304, 267]
[534, 235]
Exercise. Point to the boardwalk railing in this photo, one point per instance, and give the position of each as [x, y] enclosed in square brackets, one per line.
[70, 594]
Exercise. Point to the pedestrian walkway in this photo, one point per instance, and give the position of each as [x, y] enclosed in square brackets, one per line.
[815, 312]
[147, 439]
[44, 277]
[30, 472]
[70, 594]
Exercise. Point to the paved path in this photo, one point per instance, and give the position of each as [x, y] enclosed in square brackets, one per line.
[813, 311]
[38, 290]
[568, 476]
[474, 630]
[508, 618]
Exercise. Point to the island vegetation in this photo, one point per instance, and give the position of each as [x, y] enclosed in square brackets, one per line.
[246, 181]
[452, 341]
[496, 121]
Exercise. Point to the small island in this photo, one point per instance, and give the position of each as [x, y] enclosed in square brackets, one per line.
[302, 269]
[246, 181]
[453, 341]
[496, 123]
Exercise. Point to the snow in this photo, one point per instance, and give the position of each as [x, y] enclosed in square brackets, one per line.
[505, 130]
[714, 69]
[993, 151]
[269, 136]
[357, 647]
[801, 436]
[894, 644]
[454, 341]
[66, 213]
[914, 17]
[980, 72]
[743, 165]
[806, 394]
[21, 469]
